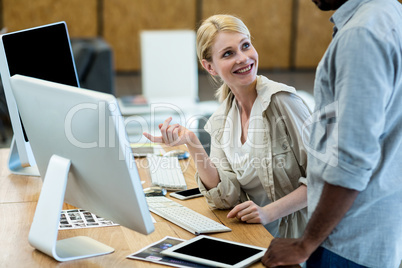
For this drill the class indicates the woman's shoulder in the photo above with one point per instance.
(270, 87)
(290, 101)
(271, 92)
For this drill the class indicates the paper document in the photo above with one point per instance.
(79, 218)
(152, 254)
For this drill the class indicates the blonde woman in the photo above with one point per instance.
(258, 160)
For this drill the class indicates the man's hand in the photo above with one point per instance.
(285, 252)
(334, 202)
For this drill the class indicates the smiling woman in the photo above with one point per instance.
(214, 34)
(235, 61)
(258, 159)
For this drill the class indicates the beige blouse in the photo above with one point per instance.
(281, 154)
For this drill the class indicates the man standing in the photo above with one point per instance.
(354, 168)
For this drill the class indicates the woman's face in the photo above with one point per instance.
(234, 59)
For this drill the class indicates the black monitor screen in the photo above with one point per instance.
(43, 53)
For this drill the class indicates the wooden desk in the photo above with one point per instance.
(18, 199)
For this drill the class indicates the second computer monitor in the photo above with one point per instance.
(42, 52)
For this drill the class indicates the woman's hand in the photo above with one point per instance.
(172, 135)
(251, 213)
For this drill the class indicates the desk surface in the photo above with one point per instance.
(18, 199)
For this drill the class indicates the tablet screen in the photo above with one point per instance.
(226, 253)
(216, 250)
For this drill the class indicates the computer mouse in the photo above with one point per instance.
(155, 191)
(180, 154)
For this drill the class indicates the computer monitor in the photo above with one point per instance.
(81, 149)
(43, 52)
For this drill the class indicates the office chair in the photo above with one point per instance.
(94, 63)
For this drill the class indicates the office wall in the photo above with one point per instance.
(123, 20)
(80, 16)
(288, 34)
(312, 35)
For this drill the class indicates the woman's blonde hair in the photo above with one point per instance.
(206, 35)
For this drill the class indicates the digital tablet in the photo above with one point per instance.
(216, 252)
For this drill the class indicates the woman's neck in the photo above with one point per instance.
(245, 97)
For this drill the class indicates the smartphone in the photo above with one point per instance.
(186, 194)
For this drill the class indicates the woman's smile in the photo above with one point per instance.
(244, 70)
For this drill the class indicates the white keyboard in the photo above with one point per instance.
(184, 217)
(166, 172)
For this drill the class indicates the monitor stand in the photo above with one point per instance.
(45, 225)
(14, 162)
